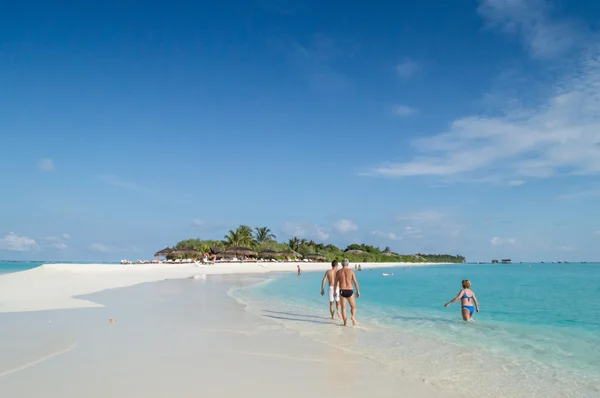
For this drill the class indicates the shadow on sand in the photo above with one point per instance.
(295, 314)
(286, 318)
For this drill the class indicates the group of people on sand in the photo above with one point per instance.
(342, 283)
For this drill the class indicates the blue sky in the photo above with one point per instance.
(468, 127)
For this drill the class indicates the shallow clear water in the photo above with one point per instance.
(7, 267)
(538, 332)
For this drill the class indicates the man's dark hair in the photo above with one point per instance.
(334, 263)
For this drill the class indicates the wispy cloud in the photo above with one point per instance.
(403, 110)
(46, 164)
(57, 242)
(581, 194)
(497, 241)
(386, 235)
(515, 183)
(102, 248)
(197, 223)
(305, 230)
(345, 226)
(319, 60)
(532, 21)
(421, 217)
(407, 68)
(557, 134)
(12, 242)
(116, 182)
(60, 245)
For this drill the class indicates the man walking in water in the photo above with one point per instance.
(334, 293)
(343, 280)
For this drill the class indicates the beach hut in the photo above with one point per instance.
(164, 252)
(268, 253)
(315, 257)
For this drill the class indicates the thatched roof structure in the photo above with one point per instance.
(315, 256)
(185, 253)
(238, 250)
(163, 252)
(270, 253)
(355, 251)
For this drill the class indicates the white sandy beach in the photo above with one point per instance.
(175, 336)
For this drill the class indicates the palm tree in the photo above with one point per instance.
(294, 244)
(263, 235)
(232, 238)
(387, 249)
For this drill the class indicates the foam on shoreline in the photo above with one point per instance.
(57, 286)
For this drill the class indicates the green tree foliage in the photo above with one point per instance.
(263, 235)
(263, 239)
(241, 236)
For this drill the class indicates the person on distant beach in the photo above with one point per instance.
(334, 293)
(343, 280)
(299, 272)
(467, 297)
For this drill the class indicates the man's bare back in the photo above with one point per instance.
(344, 279)
(331, 277)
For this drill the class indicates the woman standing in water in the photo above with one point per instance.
(467, 298)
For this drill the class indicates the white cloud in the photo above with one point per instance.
(46, 164)
(128, 185)
(515, 183)
(305, 230)
(403, 110)
(345, 226)
(598, 232)
(421, 217)
(532, 21)
(60, 245)
(560, 136)
(581, 194)
(555, 132)
(497, 241)
(566, 248)
(16, 243)
(97, 247)
(407, 69)
(387, 235)
(322, 233)
(66, 236)
(197, 223)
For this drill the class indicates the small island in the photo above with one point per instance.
(260, 243)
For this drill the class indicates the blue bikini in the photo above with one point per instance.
(469, 307)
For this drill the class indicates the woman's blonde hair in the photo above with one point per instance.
(466, 284)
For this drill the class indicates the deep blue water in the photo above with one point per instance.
(536, 319)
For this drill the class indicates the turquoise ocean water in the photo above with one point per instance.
(7, 267)
(537, 335)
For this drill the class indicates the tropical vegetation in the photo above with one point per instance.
(262, 240)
